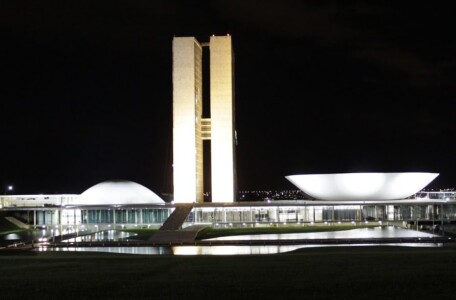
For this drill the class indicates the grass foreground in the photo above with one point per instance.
(316, 273)
(6, 226)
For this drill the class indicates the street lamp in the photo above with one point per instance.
(9, 189)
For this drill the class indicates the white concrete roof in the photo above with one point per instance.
(117, 192)
(362, 186)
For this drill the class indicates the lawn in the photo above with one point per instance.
(5, 225)
(317, 273)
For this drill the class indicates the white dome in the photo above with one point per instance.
(362, 186)
(118, 192)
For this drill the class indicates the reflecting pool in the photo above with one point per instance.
(378, 232)
(102, 236)
(121, 250)
(213, 250)
(12, 237)
(373, 232)
(27, 235)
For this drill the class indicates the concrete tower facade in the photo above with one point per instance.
(222, 119)
(187, 114)
(190, 128)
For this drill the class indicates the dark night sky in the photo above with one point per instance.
(321, 87)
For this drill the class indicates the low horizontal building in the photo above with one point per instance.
(125, 204)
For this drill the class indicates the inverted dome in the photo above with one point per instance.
(362, 186)
(118, 192)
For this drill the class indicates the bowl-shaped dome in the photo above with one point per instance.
(362, 186)
(118, 192)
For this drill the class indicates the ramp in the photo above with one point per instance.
(17, 222)
(177, 218)
(186, 235)
(172, 232)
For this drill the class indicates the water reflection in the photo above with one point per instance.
(213, 250)
(253, 250)
(25, 236)
(121, 250)
(232, 250)
(80, 236)
(12, 237)
(102, 236)
(374, 232)
(377, 232)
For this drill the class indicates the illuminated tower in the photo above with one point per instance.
(187, 113)
(190, 129)
(222, 119)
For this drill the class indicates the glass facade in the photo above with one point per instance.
(256, 215)
(239, 215)
(124, 216)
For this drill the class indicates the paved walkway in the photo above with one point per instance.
(177, 218)
(186, 235)
(171, 232)
(17, 222)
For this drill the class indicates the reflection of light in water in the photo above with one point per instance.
(256, 249)
(231, 250)
(183, 250)
(252, 250)
(26, 236)
(12, 236)
(108, 235)
(121, 250)
(377, 232)
(214, 250)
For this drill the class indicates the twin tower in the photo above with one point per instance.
(190, 128)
